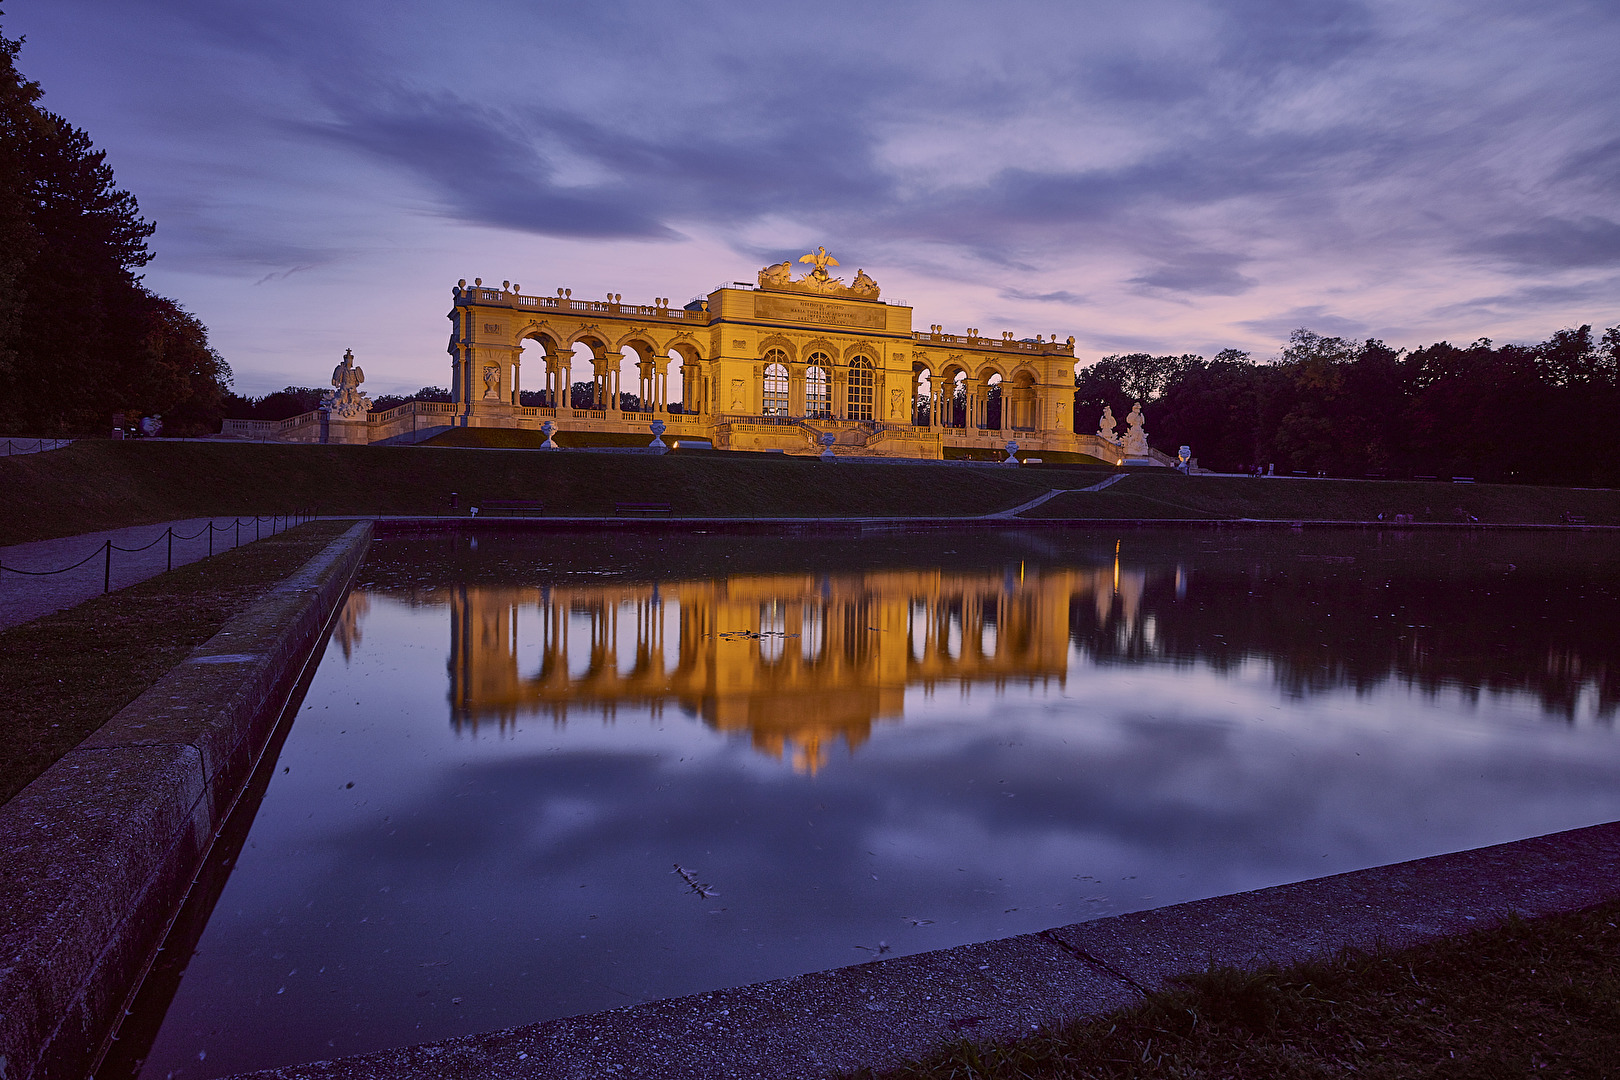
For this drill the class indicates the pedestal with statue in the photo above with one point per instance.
(1135, 446)
(343, 409)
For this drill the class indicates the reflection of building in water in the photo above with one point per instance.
(796, 661)
(346, 630)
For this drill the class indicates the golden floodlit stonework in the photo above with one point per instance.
(799, 665)
(806, 365)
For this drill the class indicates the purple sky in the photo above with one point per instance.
(1165, 175)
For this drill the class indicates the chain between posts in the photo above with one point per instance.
(107, 547)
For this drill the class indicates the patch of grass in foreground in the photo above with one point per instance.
(64, 675)
(1162, 493)
(99, 485)
(1528, 998)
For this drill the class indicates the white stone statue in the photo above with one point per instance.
(1135, 445)
(1105, 429)
(492, 383)
(347, 400)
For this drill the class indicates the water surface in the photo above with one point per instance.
(859, 747)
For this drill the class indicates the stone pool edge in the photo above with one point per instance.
(880, 1013)
(97, 853)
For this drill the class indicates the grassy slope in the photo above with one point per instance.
(98, 485)
(64, 675)
(1170, 495)
(1537, 998)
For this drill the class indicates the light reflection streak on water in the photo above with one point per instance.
(917, 756)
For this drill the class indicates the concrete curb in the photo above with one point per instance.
(96, 854)
(881, 1013)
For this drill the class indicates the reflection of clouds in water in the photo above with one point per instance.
(536, 865)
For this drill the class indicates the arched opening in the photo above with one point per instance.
(1020, 402)
(922, 401)
(582, 392)
(860, 389)
(959, 401)
(539, 376)
(685, 379)
(818, 386)
(992, 403)
(774, 395)
(639, 369)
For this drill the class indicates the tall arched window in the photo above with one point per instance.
(817, 396)
(860, 388)
(775, 398)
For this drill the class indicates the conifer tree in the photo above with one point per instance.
(80, 336)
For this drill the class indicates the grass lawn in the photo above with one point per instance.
(64, 675)
(1537, 998)
(524, 439)
(1162, 493)
(104, 484)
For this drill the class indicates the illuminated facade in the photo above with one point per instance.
(800, 365)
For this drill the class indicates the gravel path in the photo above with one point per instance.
(24, 597)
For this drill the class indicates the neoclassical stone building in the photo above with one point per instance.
(788, 364)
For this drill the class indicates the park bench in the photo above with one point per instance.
(512, 506)
(640, 508)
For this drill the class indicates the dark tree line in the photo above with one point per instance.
(292, 401)
(1531, 413)
(80, 337)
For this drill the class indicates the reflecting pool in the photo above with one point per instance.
(538, 777)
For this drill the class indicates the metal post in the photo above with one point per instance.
(255, 526)
(238, 542)
(210, 539)
(171, 547)
(106, 573)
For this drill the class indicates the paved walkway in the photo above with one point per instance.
(9, 447)
(24, 598)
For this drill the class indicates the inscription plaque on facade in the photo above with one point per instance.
(786, 309)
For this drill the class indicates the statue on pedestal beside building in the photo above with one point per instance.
(1107, 425)
(1135, 444)
(347, 400)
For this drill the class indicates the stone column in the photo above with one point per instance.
(796, 389)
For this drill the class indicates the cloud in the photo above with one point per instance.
(1211, 274)
(1061, 296)
(1315, 317)
(1175, 166)
(1558, 243)
(282, 275)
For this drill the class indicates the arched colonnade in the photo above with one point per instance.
(564, 366)
(986, 397)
